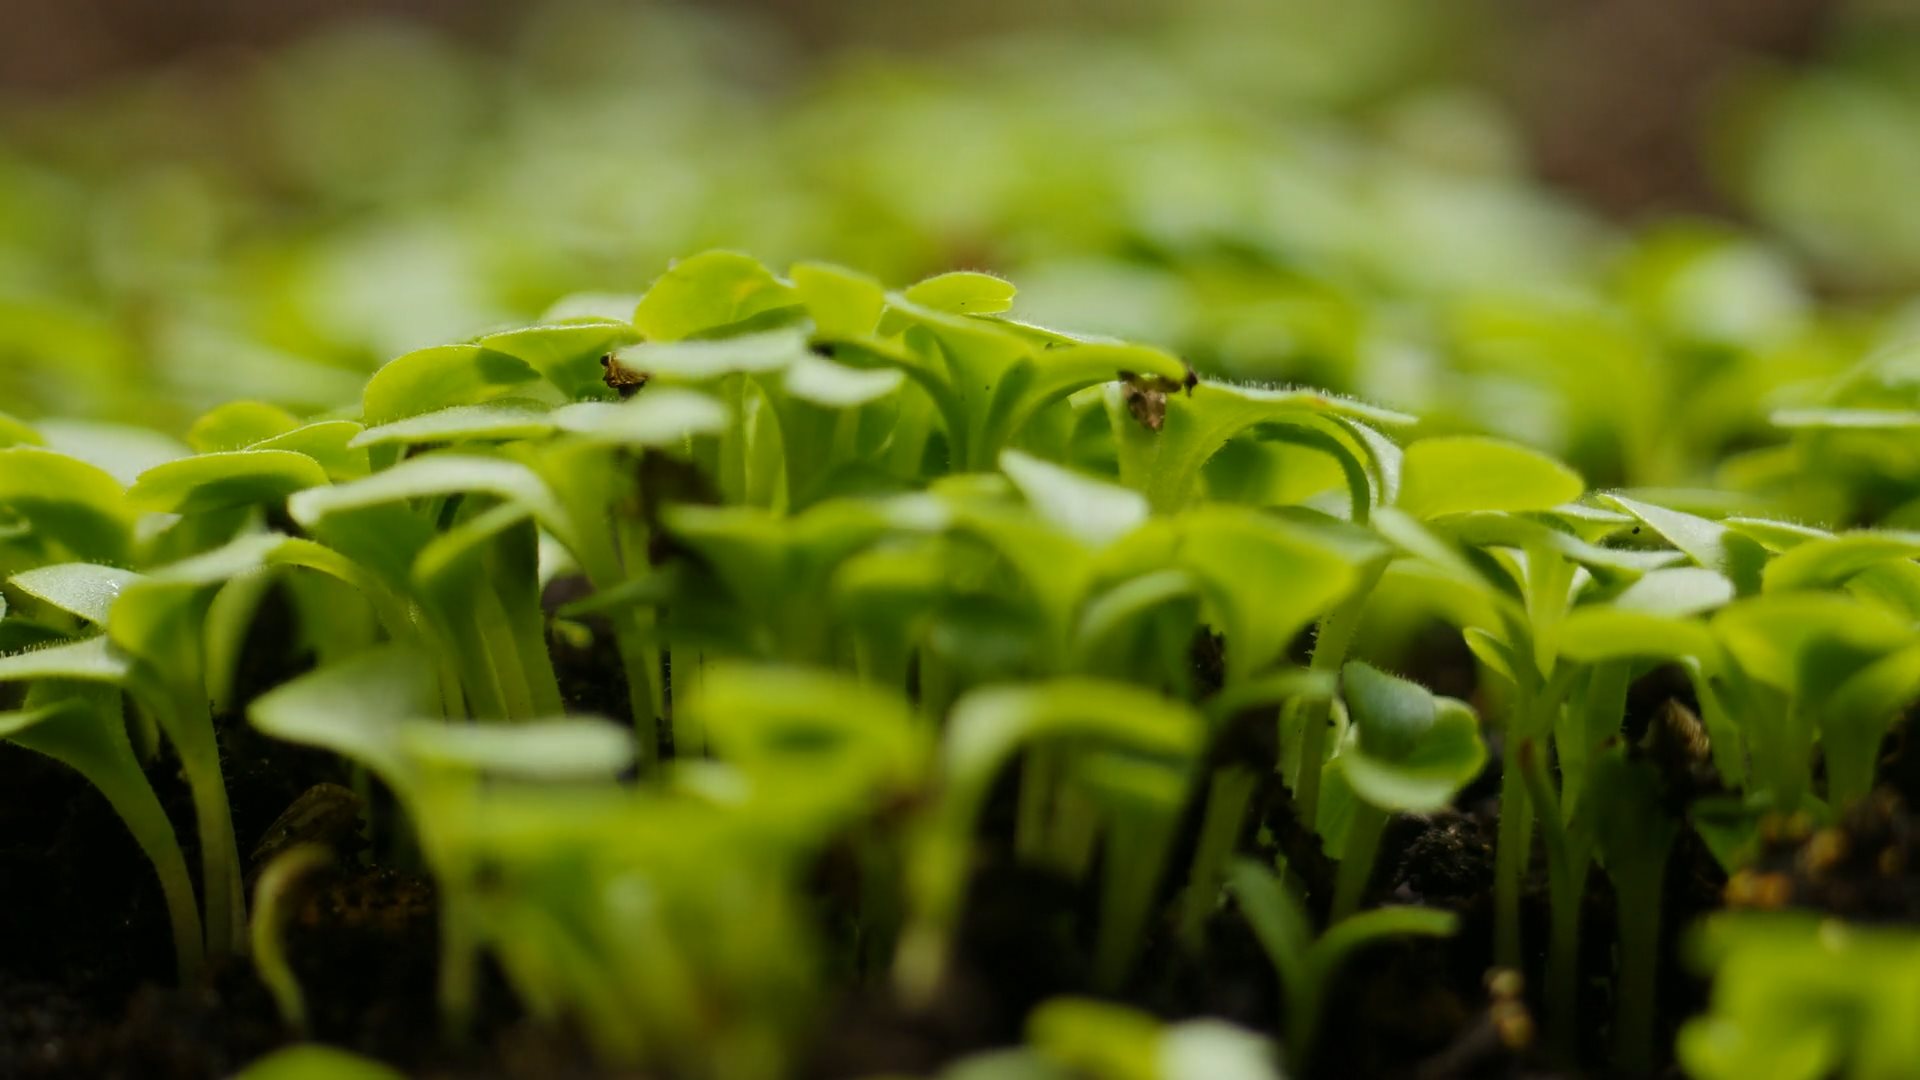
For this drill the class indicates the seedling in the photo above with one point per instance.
(1305, 963)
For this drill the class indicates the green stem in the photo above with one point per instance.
(1640, 896)
(131, 797)
(1356, 862)
(1038, 776)
(1136, 852)
(1567, 867)
(1228, 796)
(213, 823)
(1330, 648)
(1512, 847)
(270, 898)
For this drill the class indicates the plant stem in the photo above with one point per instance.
(271, 894)
(1511, 851)
(1330, 648)
(1641, 892)
(1568, 863)
(1136, 852)
(1356, 862)
(127, 790)
(1228, 796)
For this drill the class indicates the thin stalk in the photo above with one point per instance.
(213, 823)
(1640, 894)
(459, 965)
(270, 897)
(1356, 862)
(503, 653)
(1330, 648)
(1568, 863)
(1228, 796)
(1511, 849)
(1039, 779)
(1136, 852)
(133, 799)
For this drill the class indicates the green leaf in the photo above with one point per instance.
(355, 708)
(329, 442)
(566, 354)
(441, 377)
(708, 291)
(706, 360)
(1095, 512)
(1411, 752)
(574, 748)
(238, 425)
(82, 589)
(835, 386)
(435, 475)
(964, 292)
(1597, 633)
(1263, 578)
(1846, 419)
(1457, 474)
(1708, 543)
(1166, 464)
(1829, 561)
(1775, 635)
(89, 660)
(216, 481)
(499, 420)
(1676, 592)
(15, 433)
(843, 303)
(1391, 714)
(312, 1061)
(815, 744)
(76, 506)
(663, 416)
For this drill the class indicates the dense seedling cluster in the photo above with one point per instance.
(647, 616)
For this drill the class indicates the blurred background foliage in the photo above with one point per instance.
(1627, 231)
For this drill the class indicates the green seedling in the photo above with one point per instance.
(81, 726)
(1306, 964)
(1405, 751)
(1799, 997)
(1129, 770)
(1110, 1042)
(275, 890)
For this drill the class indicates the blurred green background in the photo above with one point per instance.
(1626, 230)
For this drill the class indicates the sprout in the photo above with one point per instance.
(1406, 751)
(1305, 964)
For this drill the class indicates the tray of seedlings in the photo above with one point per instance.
(786, 675)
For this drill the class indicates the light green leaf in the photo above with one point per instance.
(663, 416)
(567, 354)
(1457, 474)
(67, 501)
(573, 748)
(1598, 633)
(208, 482)
(964, 292)
(1676, 592)
(441, 377)
(238, 425)
(501, 419)
(1094, 511)
(705, 360)
(83, 589)
(328, 442)
(843, 303)
(312, 1061)
(705, 292)
(1829, 561)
